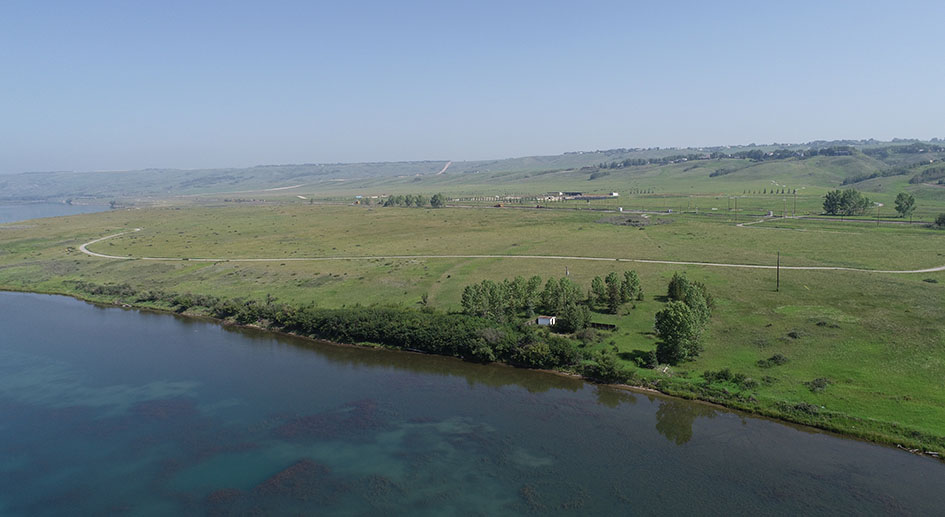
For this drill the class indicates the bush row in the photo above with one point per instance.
(460, 335)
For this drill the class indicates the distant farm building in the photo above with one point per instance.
(558, 196)
(546, 321)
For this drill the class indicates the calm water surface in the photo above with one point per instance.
(110, 411)
(21, 212)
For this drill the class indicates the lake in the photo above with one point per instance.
(114, 411)
(10, 213)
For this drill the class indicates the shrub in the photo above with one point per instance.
(940, 221)
(604, 368)
(587, 335)
(723, 375)
(801, 407)
(727, 375)
(648, 360)
(749, 384)
(775, 360)
(818, 384)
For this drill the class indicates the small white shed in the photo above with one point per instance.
(546, 321)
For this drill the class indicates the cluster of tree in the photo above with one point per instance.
(409, 200)
(418, 200)
(930, 174)
(563, 298)
(940, 221)
(612, 291)
(846, 202)
(508, 300)
(503, 301)
(681, 322)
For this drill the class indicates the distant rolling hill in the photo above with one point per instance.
(815, 166)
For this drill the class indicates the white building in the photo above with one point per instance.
(546, 321)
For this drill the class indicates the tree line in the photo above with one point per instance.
(469, 337)
(914, 148)
(484, 332)
(416, 200)
(774, 191)
(895, 171)
(928, 175)
(755, 155)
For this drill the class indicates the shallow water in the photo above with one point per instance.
(10, 213)
(115, 411)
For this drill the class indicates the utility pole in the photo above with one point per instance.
(736, 210)
(778, 286)
(794, 212)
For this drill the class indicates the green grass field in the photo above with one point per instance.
(877, 337)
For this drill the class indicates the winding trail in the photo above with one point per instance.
(84, 249)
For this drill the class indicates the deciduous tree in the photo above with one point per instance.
(905, 204)
(678, 331)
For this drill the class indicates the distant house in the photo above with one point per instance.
(546, 321)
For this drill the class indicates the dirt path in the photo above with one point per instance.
(84, 249)
(447, 166)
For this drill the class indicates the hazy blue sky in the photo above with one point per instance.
(115, 85)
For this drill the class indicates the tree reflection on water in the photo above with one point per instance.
(674, 419)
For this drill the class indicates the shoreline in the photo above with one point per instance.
(758, 412)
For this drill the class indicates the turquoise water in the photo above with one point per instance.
(111, 411)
